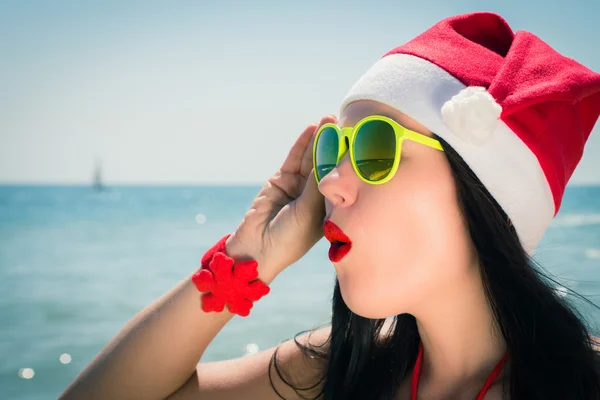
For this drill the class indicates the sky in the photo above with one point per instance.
(212, 92)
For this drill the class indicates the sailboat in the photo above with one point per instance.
(97, 183)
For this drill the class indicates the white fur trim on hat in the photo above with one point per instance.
(502, 161)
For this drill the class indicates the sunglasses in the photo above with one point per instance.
(375, 144)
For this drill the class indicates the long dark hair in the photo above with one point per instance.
(552, 354)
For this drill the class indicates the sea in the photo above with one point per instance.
(76, 264)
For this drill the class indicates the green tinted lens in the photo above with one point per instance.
(327, 152)
(374, 150)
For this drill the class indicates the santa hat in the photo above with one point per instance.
(518, 112)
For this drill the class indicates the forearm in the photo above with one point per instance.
(156, 352)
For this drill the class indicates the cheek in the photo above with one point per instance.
(410, 247)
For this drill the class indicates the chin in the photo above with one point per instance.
(364, 304)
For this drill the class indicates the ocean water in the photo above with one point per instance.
(76, 265)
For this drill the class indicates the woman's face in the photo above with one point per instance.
(410, 244)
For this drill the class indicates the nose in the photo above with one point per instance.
(340, 186)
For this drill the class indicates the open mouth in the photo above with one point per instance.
(340, 243)
(338, 250)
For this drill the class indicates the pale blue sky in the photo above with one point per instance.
(212, 91)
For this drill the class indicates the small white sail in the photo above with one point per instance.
(97, 183)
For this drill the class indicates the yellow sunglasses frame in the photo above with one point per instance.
(349, 133)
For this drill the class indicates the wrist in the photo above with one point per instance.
(230, 282)
(239, 251)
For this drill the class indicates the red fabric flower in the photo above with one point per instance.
(226, 282)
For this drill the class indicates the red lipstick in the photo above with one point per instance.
(340, 243)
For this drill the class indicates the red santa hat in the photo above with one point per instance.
(518, 112)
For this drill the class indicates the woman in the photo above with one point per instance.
(455, 154)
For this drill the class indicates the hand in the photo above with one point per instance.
(285, 220)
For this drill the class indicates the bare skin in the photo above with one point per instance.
(157, 352)
(421, 260)
(432, 274)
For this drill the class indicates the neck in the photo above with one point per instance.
(460, 338)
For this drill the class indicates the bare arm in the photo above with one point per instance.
(248, 377)
(156, 352)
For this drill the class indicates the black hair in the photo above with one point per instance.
(552, 355)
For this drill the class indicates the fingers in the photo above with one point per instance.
(306, 164)
(299, 159)
(311, 201)
(294, 158)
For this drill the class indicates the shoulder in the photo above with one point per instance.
(265, 375)
(294, 354)
(299, 362)
(304, 358)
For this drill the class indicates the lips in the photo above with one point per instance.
(340, 243)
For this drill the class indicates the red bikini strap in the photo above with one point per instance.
(493, 376)
(417, 372)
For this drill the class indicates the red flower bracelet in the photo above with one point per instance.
(225, 282)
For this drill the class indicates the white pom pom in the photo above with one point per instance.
(472, 114)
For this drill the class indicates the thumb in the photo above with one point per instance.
(311, 202)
